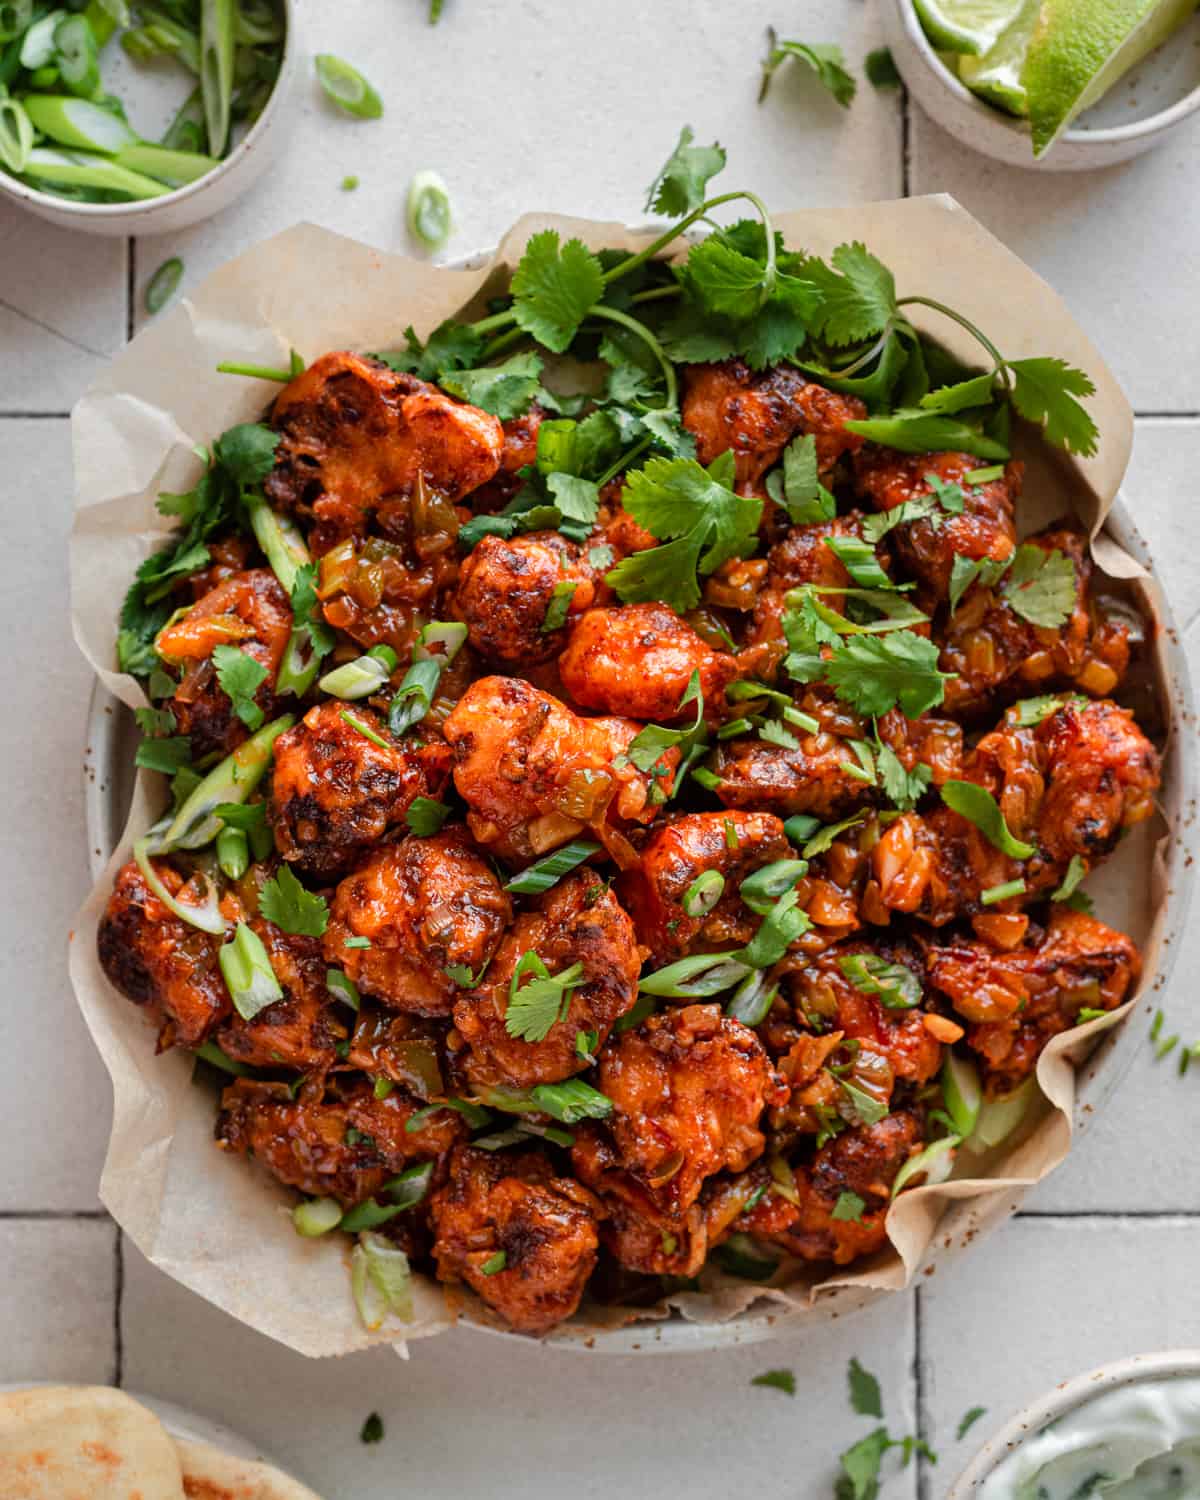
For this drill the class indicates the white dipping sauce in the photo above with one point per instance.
(1139, 1442)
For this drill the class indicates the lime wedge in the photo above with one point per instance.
(996, 76)
(965, 26)
(1079, 48)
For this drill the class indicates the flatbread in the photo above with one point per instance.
(61, 1442)
(209, 1474)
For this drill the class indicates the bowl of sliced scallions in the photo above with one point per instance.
(139, 116)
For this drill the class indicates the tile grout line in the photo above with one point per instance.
(53, 1215)
(918, 1372)
(905, 144)
(130, 285)
(118, 1300)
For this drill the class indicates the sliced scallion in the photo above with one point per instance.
(79, 123)
(696, 977)
(316, 1216)
(935, 1163)
(83, 169)
(77, 56)
(216, 69)
(897, 987)
(347, 88)
(703, 893)
(494, 1263)
(163, 285)
(232, 781)
(233, 853)
(246, 969)
(380, 1281)
(1003, 892)
(962, 1093)
(428, 211)
(572, 1101)
(37, 45)
(206, 916)
(752, 1000)
(175, 168)
(763, 889)
(414, 697)
(342, 988)
(550, 869)
(16, 135)
(361, 678)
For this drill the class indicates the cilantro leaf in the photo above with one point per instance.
(167, 755)
(247, 452)
(860, 1466)
(987, 571)
(705, 521)
(1041, 586)
(553, 287)
(505, 390)
(865, 1397)
(880, 68)
(798, 488)
(876, 672)
(1044, 391)
(240, 677)
(978, 806)
(903, 789)
(577, 499)
(152, 721)
(679, 188)
(451, 346)
(826, 59)
(668, 431)
(425, 816)
(777, 1380)
(306, 610)
(849, 1207)
(912, 430)
(921, 508)
(725, 281)
(284, 901)
(859, 560)
(647, 747)
(533, 1008)
(977, 391)
(858, 294)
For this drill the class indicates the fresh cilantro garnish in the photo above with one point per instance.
(505, 390)
(865, 1395)
(880, 68)
(1076, 870)
(978, 806)
(822, 840)
(950, 496)
(826, 59)
(553, 287)
(858, 294)
(155, 721)
(451, 346)
(849, 1207)
(586, 1043)
(533, 1008)
(911, 430)
(372, 1428)
(860, 1466)
(921, 508)
(168, 755)
(1030, 712)
(677, 498)
(965, 571)
(876, 672)
(679, 187)
(559, 605)
(960, 395)
(649, 745)
(862, 1107)
(968, 1421)
(777, 1380)
(1044, 391)
(247, 452)
(897, 987)
(1041, 586)
(425, 816)
(797, 486)
(284, 901)
(903, 789)
(240, 677)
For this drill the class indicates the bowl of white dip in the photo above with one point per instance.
(1128, 1431)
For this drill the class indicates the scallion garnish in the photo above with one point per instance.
(494, 1263)
(364, 729)
(380, 1281)
(233, 853)
(703, 893)
(780, 928)
(559, 606)
(897, 987)
(550, 869)
(1001, 892)
(428, 210)
(342, 988)
(163, 285)
(572, 1101)
(761, 890)
(246, 969)
(414, 697)
(362, 677)
(316, 1216)
(232, 781)
(346, 87)
(752, 1000)
(205, 915)
(695, 978)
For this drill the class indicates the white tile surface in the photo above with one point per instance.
(469, 1414)
(54, 1142)
(56, 1300)
(1039, 1302)
(62, 311)
(573, 107)
(1107, 240)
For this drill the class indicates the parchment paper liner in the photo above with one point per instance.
(219, 1224)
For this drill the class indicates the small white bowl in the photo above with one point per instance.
(1038, 1415)
(982, 127)
(201, 199)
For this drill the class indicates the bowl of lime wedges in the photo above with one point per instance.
(1058, 85)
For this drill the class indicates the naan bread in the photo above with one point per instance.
(209, 1474)
(84, 1443)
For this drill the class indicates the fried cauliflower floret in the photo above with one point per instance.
(159, 961)
(732, 844)
(985, 527)
(303, 1029)
(863, 1160)
(756, 413)
(513, 1207)
(1017, 999)
(989, 647)
(578, 921)
(688, 1089)
(506, 587)
(249, 611)
(355, 434)
(424, 905)
(1069, 787)
(335, 793)
(304, 1142)
(534, 774)
(637, 659)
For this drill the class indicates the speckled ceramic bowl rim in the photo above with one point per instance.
(115, 212)
(1173, 1364)
(1111, 135)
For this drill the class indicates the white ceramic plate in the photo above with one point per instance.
(112, 738)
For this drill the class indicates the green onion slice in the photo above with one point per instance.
(550, 869)
(246, 969)
(16, 135)
(405, 1191)
(163, 285)
(752, 1000)
(361, 678)
(962, 1093)
(572, 1101)
(494, 1263)
(233, 853)
(703, 893)
(37, 45)
(440, 641)
(936, 1162)
(897, 987)
(780, 928)
(342, 988)
(696, 977)
(197, 823)
(207, 916)
(414, 697)
(763, 889)
(77, 56)
(316, 1216)
(347, 87)
(428, 212)
(380, 1281)
(79, 123)
(1001, 892)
